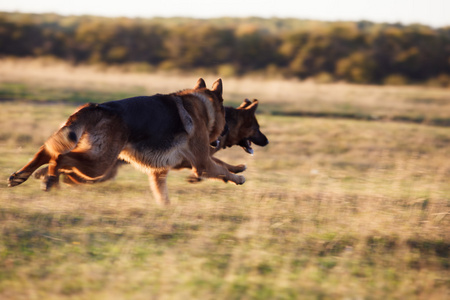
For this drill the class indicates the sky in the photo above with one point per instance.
(435, 13)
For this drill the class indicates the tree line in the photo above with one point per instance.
(360, 52)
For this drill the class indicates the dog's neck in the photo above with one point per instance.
(209, 110)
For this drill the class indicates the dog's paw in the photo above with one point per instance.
(239, 168)
(239, 180)
(193, 179)
(49, 182)
(17, 178)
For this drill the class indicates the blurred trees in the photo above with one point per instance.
(360, 52)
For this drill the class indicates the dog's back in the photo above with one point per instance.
(152, 122)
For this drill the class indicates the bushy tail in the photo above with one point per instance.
(64, 140)
(67, 137)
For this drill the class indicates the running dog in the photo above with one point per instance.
(243, 130)
(153, 133)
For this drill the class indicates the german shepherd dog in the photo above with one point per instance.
(154, 133)
(243, 130)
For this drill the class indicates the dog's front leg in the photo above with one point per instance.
(207, 168)
(231, 168)
(158, 184)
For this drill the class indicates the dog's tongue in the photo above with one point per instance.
(248, 148)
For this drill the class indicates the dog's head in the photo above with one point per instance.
(214, 95)
(243, 127)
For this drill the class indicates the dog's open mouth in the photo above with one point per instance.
(246, 145)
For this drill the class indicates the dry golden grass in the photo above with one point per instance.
(332, 209)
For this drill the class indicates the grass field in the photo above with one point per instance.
(350, 207)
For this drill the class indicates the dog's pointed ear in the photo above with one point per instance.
(245, 104)
(252, 107)
(217, 88)
(200, 84)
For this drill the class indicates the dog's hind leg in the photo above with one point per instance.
(40, 158)
(84, 165)
(72, 178)
(52, 177)
(69, 176)
(158, 184)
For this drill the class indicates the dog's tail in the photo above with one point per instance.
(64, 140)
(68, 136)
